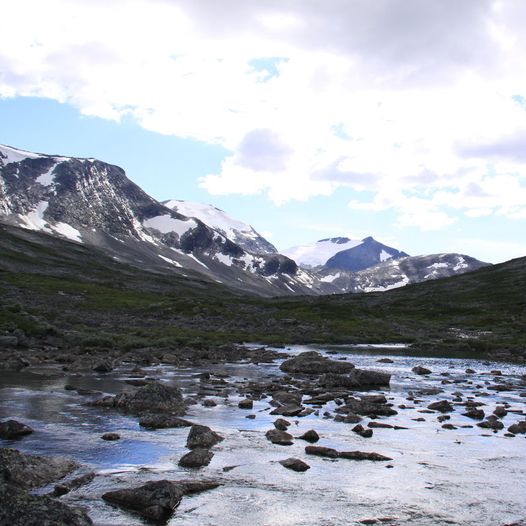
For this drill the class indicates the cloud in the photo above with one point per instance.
(415, 102)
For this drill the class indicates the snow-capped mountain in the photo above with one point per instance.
(240, 233)
(395, 273)
(92, 202)
(342, 253)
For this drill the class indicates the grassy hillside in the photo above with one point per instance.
(62, 294)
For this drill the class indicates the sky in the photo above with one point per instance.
(308, 119)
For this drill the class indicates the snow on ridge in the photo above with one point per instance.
(384, 256)
(213, 217)
(14, 155)
(166, 223)
(67, 231)
(315, 254)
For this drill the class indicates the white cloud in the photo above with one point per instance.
(413, 101)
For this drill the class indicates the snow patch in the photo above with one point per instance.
(47, 179)
(35, 220)
(460, 265)
(171, 261)
(223, 258)
(166, 223)
(402, 283)
(67, 231)
(330, 278)
(318, 253)
(12, 155)
(384, 256)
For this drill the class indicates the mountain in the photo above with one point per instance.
(395, 273)
(238, 232)
(342, 253)
(91, 202)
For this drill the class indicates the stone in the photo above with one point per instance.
(310, 436)
(295, 464)
(361, 455)
(32, 471)
(202, 437)
(160, 421)
(321, 451)
(246, 404)
(476, 414)
(287, 410)
(519, 428)
(500, 411)
(11, 429)
(356, 379)
(21, 509)
(421, 370)
(312, 362)
(110, 437)
(281, 438)
(105, 366)
(196, 458)
(443, 406)
(360, 407)
(281, 424)
(209, 402)
(73, 484)
(360, 430)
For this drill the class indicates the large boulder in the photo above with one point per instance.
(11, 429)
(155, 397)
(312, 362)
(21, 509)
(196, 458)
(160, 421)
(156, 500)
(202, 437)
(32, 471)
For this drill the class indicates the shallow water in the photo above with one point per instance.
(465, 476)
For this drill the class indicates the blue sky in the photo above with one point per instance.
(405, 121)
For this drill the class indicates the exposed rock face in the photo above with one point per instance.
(202, 437)
(21, 509)
(11, 429)
(32, 471)
(152, 398)
(312, 362)
(156, 500)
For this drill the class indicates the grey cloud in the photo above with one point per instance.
(512, 147)
(262, 150)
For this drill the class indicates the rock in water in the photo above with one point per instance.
(312, 362)
(281, 438)
(21, 509)
(11, 429)
(321, 451)
(421, 370)
(443, 406)
(361, 455)
(158, 421)
(295, 464)
(197, 458)
(202, 437)
(32, 471)
(310, 436)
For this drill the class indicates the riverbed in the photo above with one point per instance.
(465, 475)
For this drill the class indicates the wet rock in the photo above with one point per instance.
(470, 371)
(385, 360)
(310, 436)
(209, 402)
(321, 451)
(361, 455)
(287, 410)
(32, 471)
(421, 370)
(312, 362)
(156, 500)
(492, 422)
(449, 426)
(360, 430)
(152, 398)
(281, 438)
(519, 428)
(159, 421)
(295, 464)
(281, 424)
(476, 414)
(443, 406)
(196, 458)
(104, 366)
(73, 484)
(365, 408)
(379, 425)
(288, 397)
(110, 437)
(21, 509)
(246, 404)
(202, 437)
(11, 429)
(356, 379)
(500, 411)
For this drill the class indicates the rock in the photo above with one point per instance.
(470, 371)
(11, 429)
(202, 437)
(73, 484)
(476, 414)
(246, 404)
(287, 410)
(288, 397)
(32, 471)
(360, 430)
(360, 455)
(356, 379)
(361, 407)
(500, 411)
(281, 438)
(281, 424)
(312, 362)
(105, 366)
(110, 437)
(159, 421)
(209, 402)
(295, 464)
(152, 398)
(321, 451)
(310, 436)
(421, 370)
(518, 428)
(379, 425)
(443, 406)
(8, 341)
(492, 422)
(156, 500)
(385, 360)
(252, 416)
(21, 509)
(196, 458)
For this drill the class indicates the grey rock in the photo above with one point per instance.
(310, 436)
(281, 424)
(202, 437)
(421, 370)
(110, 437)
(321, 451)
(281, 438)
(73, 484)
(361, 455)
(197, 458)
(160, 421)
(442, 405)
(11, 429)
(295, 464)
(312, 362)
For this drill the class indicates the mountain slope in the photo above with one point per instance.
(92, 202)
